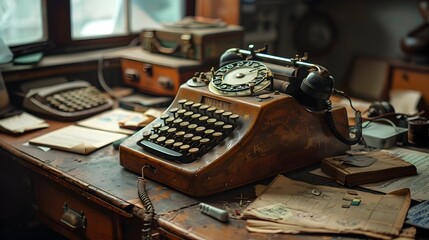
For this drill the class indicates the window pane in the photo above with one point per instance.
(150, 13)
(96, 18)
(21, 21)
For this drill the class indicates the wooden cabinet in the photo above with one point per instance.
(413, 77)
(74, 212)
(156, 73)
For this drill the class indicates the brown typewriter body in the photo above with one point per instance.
(272, 135)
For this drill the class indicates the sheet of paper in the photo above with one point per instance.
(302, 207)
(77, 139)
(418, 184)
(22, 122)
(405, 101)
(418, 215)
(110, 120)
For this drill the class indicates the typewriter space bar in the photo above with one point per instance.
(160, 150)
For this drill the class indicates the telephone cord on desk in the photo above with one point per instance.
(149, 211)
(331, 123)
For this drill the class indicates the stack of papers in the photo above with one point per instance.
(288, 206)
(21, 123)
(96, 132)
(120, 120)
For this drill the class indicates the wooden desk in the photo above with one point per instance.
(106, 193)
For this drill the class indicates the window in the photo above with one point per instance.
(151, 13)
(59, 26)
(110, 19)
(22, 21)
(97, 18)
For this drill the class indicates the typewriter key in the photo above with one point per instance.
(180, 134)
(182, 102)
(160, 140)
(210, 111)
(200, 129)
(188, 105)
(181, 112)
(219, 112)
(177, 121)
(195, 107)
(177, 145)
(204, 108)
(184, 125)
(153, 137)
(169, 142)
(185, 147)
(192, 127)
(174, 111)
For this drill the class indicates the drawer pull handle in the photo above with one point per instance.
(72, 218)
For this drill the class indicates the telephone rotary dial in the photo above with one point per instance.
(240, 78)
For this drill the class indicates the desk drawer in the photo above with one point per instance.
(152, 78)
(71, 214)
(403, 78)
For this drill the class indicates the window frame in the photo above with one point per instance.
(59, 39)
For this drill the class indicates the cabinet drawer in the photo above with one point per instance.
(408, 79)
(71, 214)
(413, 80)
(153, 78)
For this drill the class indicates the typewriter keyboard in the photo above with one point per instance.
(78, 99)
(188, 132)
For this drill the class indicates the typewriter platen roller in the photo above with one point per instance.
(229, 128)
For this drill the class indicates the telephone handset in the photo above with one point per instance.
(69, 101)
(310, 84)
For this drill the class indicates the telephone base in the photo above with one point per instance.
(273, 135)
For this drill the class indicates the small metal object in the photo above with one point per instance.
(214, 212)
(345, 206)
(316, 192)
(73, 218)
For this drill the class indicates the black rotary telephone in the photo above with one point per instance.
(310, 84)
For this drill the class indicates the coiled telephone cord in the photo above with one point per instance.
(329, 117)
(149, 211)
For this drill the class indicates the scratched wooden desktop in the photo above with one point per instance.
(97, 187)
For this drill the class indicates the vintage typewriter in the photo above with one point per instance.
(67, 101)
(256, 116)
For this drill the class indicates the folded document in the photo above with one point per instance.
(21, 123)
(77, 139)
